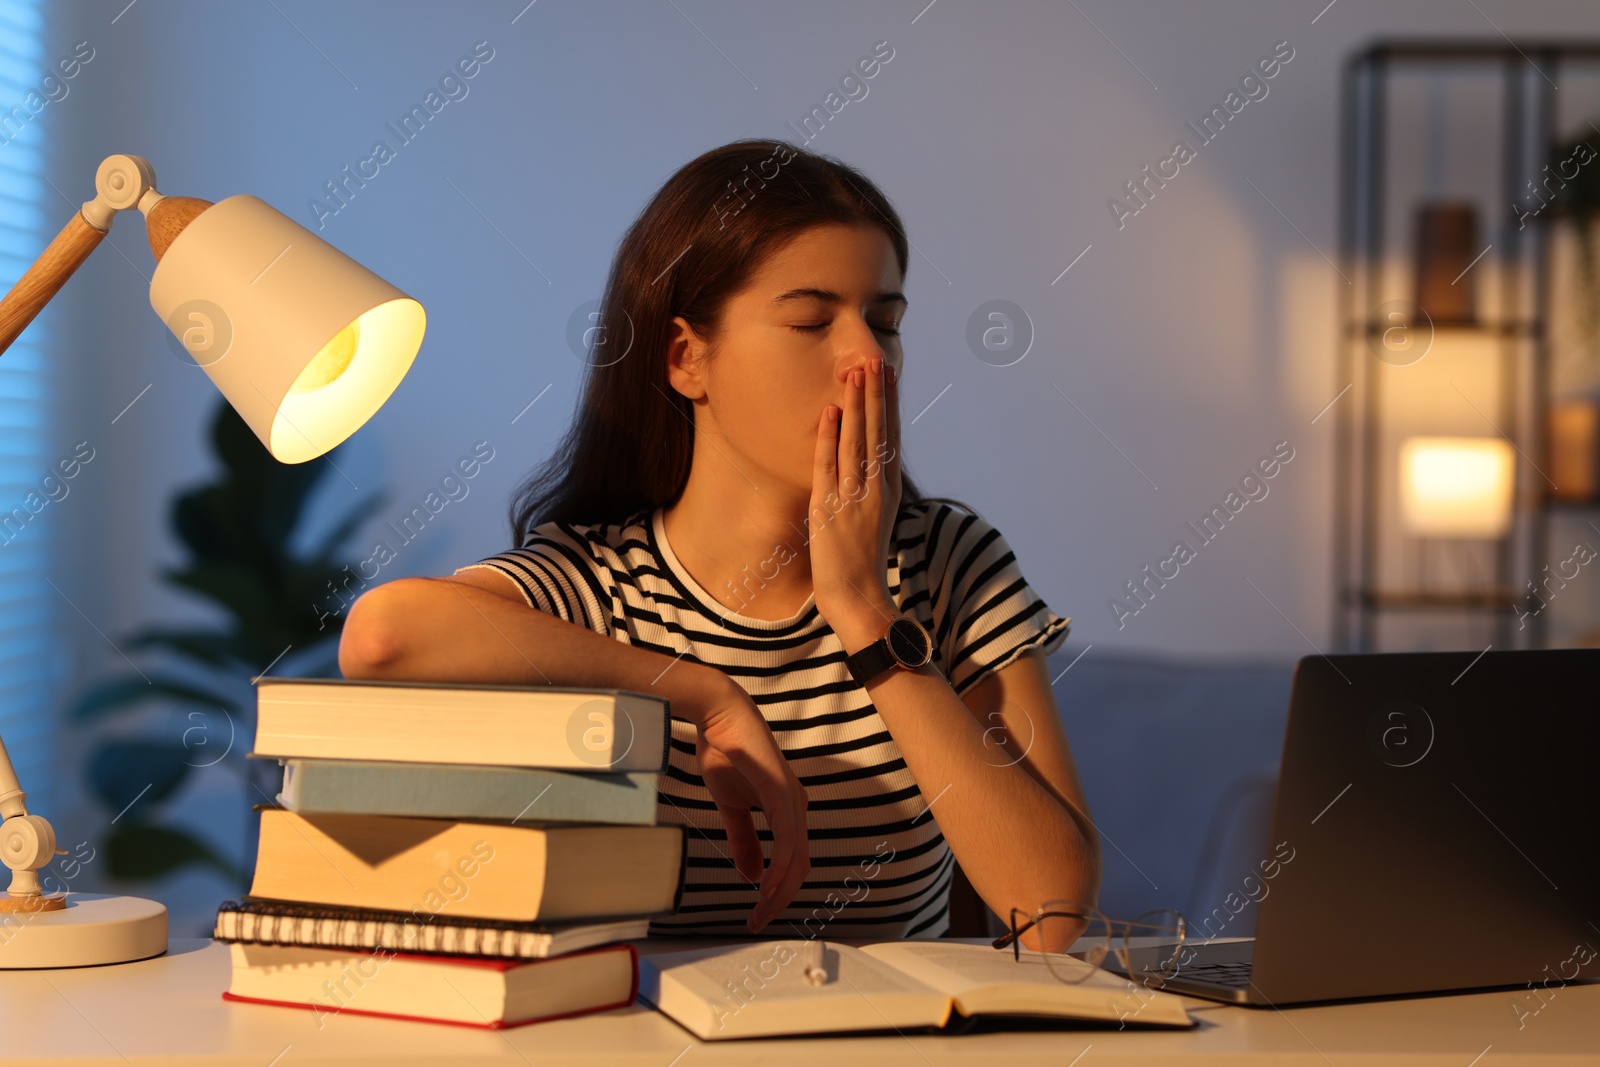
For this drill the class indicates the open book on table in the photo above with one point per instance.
(760, 989)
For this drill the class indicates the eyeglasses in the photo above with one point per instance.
(1149, 948)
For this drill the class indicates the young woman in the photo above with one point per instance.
(728, 523)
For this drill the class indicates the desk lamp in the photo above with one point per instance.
(304, 342)
(1455, 489)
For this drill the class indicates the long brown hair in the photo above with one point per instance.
(697, 242)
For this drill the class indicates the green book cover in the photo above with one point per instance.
(465, 791)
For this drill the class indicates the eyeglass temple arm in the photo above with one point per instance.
(1006, 939)
(1017, 931)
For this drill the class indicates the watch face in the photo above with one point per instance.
(909, 642)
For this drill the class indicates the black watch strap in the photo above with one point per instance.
(915, 645)
(871, 661)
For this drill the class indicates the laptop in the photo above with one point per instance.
(1440, 815)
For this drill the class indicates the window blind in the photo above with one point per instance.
(29, 609)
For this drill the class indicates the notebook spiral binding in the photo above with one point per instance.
(280, 923)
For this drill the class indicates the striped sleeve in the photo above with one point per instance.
(985, 612)
(558, 574)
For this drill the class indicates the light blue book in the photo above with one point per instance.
(464, 791)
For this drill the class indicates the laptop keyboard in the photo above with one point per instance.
(1234, 975)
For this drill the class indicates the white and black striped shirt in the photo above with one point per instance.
(880, 868)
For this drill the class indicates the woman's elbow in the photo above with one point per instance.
(368, 644)
(1082, 867)
(1092, 868)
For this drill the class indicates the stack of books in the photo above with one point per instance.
(459, 853)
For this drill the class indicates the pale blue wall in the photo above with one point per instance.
(1194, 338)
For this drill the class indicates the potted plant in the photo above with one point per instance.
(237, 530)
(1574, 170)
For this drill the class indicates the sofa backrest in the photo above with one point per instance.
(1179, 761)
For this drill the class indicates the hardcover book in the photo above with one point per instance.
(465, 791)
(450, 722)
(486, 993)
(522, 873)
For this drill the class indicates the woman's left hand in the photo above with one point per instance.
(855, 498)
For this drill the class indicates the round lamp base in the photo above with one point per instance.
(23, 902)
(93, 929)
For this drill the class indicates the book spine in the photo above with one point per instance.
(497, 1024)
(356, 719)
(454, 791)
(666, 742)
(492, 1024)
(683, 870)
(317, 860)
(633, 990)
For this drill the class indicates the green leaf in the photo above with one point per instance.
(138, 851)
(236, 527)
(238, 588)
(1579, 195)
(122, 773)
(270, 494)
(360, 513)
(284, 495)
(247, 515)
(202, 519)
(105, 697)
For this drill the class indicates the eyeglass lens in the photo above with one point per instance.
(1071, 926)
(1153, 943)
(1148, 947)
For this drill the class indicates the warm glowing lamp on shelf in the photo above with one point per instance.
(1456, 487)
(304, 342)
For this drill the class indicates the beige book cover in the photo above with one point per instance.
(450, 869)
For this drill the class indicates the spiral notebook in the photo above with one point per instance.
(279, 922)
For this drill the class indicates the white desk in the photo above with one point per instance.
(170, 1010)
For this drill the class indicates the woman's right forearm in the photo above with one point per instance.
(437, 630)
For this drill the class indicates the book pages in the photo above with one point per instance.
(984, 980)
(761, 989)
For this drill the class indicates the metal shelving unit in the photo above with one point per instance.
(1525, 73)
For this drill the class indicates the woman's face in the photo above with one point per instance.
(821, 306)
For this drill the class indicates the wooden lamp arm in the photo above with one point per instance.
(48, 274)
(122, 181)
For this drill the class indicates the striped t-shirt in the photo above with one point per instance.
(880, 868)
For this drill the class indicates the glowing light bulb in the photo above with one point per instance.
(1456, 486)
(332, 361)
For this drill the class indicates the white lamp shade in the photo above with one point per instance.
(305, 343)
(1456, 486)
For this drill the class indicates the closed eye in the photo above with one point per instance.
(818, 327)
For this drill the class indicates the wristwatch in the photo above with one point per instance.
(905, 644)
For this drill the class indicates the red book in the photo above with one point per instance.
(466, 991)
